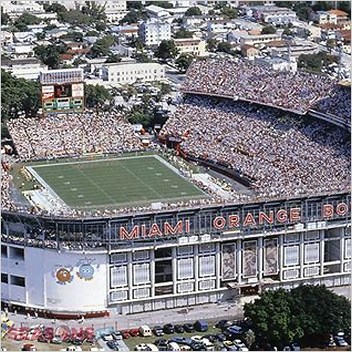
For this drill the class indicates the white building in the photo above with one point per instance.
(322, 17)
(273, 14)
(243, 38)
(24, 68)
(154, 32)
(128, 73)
(115, 10)
(20, 51)
(156, 12)
(220, 26)
(192, 46)
(16, 8)
(6, 37)
(24, 37)
(278, 63)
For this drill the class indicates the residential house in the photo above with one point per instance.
(249, 51)
(273, 14)
(24, 37)
(191, 46)
(341, 16)
(28, 68)
(6, 37)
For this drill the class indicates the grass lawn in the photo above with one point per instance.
(123, 181)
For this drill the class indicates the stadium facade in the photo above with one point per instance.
(178, 258)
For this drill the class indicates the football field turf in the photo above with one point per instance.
(123, 181)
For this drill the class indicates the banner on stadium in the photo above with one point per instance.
(47, 89)
(77, 90)
(231, 222)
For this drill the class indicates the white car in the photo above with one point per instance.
(240, 345)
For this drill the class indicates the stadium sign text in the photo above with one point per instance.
(281, 216)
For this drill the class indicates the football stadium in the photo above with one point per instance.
(246, 189)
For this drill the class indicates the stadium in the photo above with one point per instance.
(246, 189)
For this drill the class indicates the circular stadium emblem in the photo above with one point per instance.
(63, 276)
(85, 271)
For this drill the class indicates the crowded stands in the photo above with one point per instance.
(247, 81)
(72, 135)
(286, 155)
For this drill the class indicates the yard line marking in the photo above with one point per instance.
(96, 185)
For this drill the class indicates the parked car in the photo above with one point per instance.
(107, 337)
(179, 329)
(182, 340)
(145, 331)
(158, 331)
(240, 345)
(116, 335)
(125, 334)
(169, 329)
(235, 330)
(220, 337)
(189, 327)
(340, 341)
(134, 332)
(223, 324)
(201, 325)
(160, 342)
(230, 346)
(29, 347)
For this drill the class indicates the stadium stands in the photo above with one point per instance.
(72, 135)
(250, 82)
(285, 154)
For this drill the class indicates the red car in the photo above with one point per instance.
(125, 334)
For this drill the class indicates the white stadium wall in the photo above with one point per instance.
(65, 281)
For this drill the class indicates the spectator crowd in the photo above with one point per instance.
(243, 80)
(284, 154)
(72, 135)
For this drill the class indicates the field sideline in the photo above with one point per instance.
(113, 182)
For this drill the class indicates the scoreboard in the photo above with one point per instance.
(62, 90)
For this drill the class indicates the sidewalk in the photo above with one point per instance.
(233, 310)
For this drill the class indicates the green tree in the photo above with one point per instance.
(17, 95)
(280, 317)
(268, 30)
(164, 4)
(330, 44)
(229, 12)
(92, 33)
(113, 58)
(136, 5)
(193, 11)
(74, 36)
(302, 10)
(49, 55)
(142, 57)
(144, 118)
(134, 16)
(166, 50)
(249, 338)
(100, 26)
(5, 19)
(183, 33)
(55, 7)
(95, 10)
(322, 6)
(74, 17)
(101, 46)
(225, 47)
(25, 20)
(212, 44)
(96, 96)
(183, 62)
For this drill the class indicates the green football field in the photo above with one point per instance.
(124, 181)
